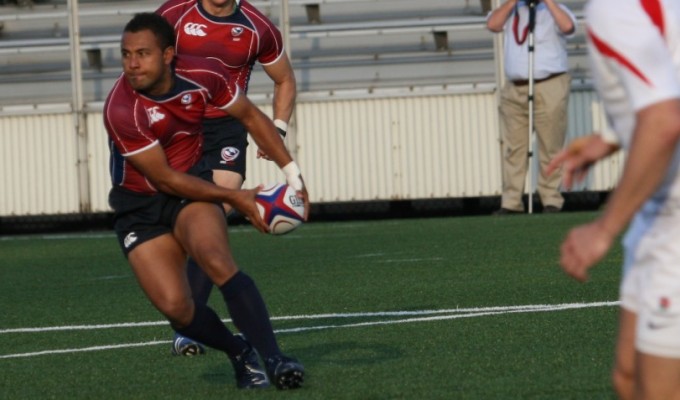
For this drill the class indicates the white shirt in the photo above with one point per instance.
(550, 44)
(635, 60)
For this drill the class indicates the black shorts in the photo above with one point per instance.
(141, 217)
(225, 143)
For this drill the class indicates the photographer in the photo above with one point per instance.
(554, 23)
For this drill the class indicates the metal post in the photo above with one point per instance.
(284, 23)
(77, 108)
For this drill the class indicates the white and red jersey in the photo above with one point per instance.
(238, 40)
(634, 50)
(136, 122)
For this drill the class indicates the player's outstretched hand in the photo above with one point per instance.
(244, 202)
(261, 154)
(577, 158)
(583, 247)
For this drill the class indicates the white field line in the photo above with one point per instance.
(420, 316)
(530, 307)
(329, 227)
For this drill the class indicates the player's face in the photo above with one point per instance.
(220, 8)
(145, 64)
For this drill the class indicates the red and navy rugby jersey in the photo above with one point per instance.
(136, 122)
(237, 40)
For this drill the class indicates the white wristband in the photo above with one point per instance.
(281, 125)
(293, 175)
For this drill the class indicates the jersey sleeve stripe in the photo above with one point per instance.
(654, 9)
(607, 51)
(233, 99)
(147, 147)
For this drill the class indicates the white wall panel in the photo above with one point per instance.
(368, 148)
(98, 150)
(38, 165)
(399, 148)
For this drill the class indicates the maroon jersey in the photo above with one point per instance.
(136, 122)
(237, 41)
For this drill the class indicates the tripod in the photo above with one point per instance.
(532, 133)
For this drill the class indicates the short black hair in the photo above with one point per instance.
(159, 26)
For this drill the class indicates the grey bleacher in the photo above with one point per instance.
(334, 44)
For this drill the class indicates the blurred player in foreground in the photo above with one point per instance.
(634, 49)
(164, 211)
(238, 35)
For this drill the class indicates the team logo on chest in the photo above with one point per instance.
(236, 31)
(194, 29)
(154, 114)
(186, 99)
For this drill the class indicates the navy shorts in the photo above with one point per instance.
(141, 217)
(225, 143)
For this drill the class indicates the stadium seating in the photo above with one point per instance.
(334, 44)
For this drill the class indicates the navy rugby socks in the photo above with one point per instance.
(207, 328)
(249, 313)
(200, 283)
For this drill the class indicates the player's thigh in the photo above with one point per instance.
(659, 377)
(227, 179)
(158, 265)
(657, 279)
(202, 230)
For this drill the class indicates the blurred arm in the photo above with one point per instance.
(655, 140)
(497, 18)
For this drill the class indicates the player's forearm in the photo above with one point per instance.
(193, 188)
(266, 137)
(262, 130)
(654, 143)
(284, 99)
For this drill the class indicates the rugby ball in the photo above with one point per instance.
(280, 208)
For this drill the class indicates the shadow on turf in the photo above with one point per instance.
(348, 353)
(338, 353)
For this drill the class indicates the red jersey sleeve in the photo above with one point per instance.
(272, 46)
(127, 122)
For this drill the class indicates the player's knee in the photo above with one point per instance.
(218, 265)
(178, 311)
